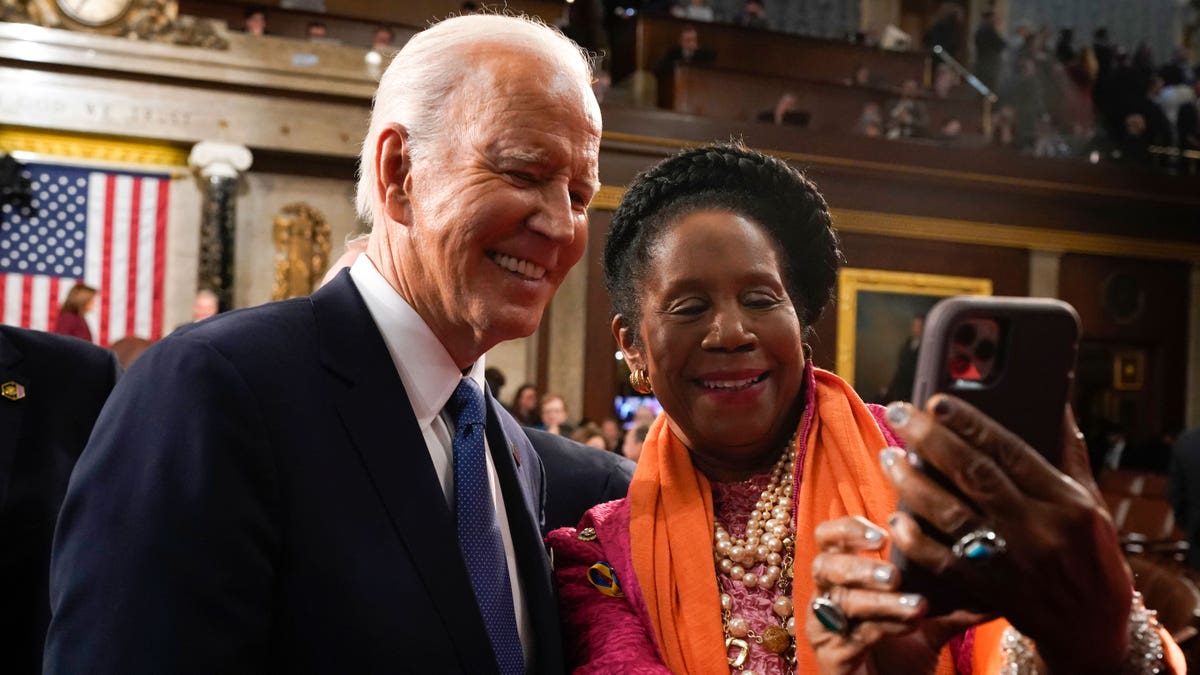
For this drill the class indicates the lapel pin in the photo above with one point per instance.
(512, 447)
(12, 391)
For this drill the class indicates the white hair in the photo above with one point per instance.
(416, 89)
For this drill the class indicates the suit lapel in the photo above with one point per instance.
(378, 417)
(521, 482)
(11, 412)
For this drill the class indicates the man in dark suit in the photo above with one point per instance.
(1184, 490)
(578, 477)
(51, 390)
(322, 484)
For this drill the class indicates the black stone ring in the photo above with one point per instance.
(831, 615)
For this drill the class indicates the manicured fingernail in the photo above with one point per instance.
(883, 574)
(913, 460)
(909, 600)
(888, 457)
(942, 408)
(897, 414)
(873, 535)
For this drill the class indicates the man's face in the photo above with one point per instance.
(554, 412)
(256, 23)
(203, 307)
(499, 208)
(689, 40)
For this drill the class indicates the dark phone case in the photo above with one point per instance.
(1040, 342)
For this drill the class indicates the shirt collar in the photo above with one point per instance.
(426, 370)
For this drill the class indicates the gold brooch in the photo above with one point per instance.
(587, 534)
(12, 391)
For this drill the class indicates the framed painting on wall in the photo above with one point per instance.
(880, 317)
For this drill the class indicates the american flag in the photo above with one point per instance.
(105, 228)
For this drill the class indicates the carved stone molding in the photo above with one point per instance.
(301, 237)
(155, 20)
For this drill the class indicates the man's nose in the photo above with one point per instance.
(555, 216)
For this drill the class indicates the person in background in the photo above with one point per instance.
(316, 31)
(945, 29)
(254, 21)
(786, 112)
(80, 300)
(695, 10)
(687, 51)
(51, 390)
(554, 415)
(495, 380)
(907, 116)
(205, 305)
(753, 15)
(591, 435)
(524, 406)
(1184, 490)
(870, 121)
(635, 436)
(989, 50)
(382, 40)
(613, 434)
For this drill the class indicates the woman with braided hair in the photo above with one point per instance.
(751, 539)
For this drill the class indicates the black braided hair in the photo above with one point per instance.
(729, 177)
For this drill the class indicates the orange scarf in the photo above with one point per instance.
(671, 525)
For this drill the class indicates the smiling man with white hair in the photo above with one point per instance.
(324, 484)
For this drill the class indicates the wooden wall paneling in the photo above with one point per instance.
(1158, 292)
(773, 53)
(832, 106)
(599, 381)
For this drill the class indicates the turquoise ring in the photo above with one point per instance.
(980, 545)
(830, 614)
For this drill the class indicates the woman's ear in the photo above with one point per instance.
(393, 172)
(627, 340)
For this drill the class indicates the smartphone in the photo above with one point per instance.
(1013, 359)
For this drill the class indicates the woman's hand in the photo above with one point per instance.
(864, 589)
(1061, 578)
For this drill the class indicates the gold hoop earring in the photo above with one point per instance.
(640, 381)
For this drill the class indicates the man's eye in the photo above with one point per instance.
(521, 176)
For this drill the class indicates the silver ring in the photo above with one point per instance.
(982, 544)
(831, 615)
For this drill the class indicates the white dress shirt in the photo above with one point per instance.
(430, 377)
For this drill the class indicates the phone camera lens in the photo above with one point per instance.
(960, 367)
(965, 334)
(985, 350)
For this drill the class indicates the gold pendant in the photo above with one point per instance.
(775, 639)
(743, 648)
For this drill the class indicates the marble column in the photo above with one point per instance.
(1043, 273)
(218, 165)
(1192, 409)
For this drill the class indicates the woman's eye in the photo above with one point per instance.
(761, 300)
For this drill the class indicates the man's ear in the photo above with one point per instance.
(627, 340)
(393, 173)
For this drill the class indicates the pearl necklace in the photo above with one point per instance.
(768, 542)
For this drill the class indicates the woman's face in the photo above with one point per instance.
(527, 401)
(721, 340)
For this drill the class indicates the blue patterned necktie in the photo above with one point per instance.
(478, 529)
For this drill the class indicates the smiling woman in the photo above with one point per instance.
(751, 540)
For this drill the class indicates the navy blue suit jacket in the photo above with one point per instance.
(65, 382)
(258, 497)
